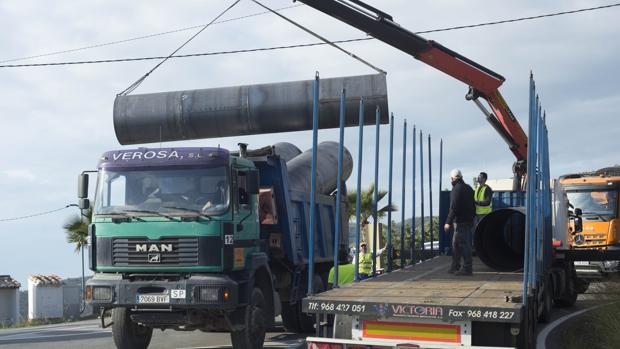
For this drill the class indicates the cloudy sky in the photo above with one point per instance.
(56, 121)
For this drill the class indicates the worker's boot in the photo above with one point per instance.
(453, 269)
(464, 272)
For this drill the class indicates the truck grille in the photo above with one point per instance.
(166, 251)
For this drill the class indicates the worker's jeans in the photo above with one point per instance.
(461, 246)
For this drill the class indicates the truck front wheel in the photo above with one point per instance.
(253, 334)
(128, 334)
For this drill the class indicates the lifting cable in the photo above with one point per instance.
(135, 85)
(36, 214)
(351, 54)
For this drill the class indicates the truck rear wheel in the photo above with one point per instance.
(128, 334)
(569, 297)
(253, 334)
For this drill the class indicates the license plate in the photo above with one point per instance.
(582, 263)
(153, 299)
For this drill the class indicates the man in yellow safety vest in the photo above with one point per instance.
(365, 261)
(483, 197)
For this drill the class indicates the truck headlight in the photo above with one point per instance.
(207, 294)
(102, 293)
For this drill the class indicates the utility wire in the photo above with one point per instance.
(215, 53)
(349, 53)
(142, 37)
(295, 46)
(135, 85)
(36, 214)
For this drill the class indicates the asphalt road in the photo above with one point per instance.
(88, 334)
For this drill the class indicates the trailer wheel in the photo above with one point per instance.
(545, 315)
(128, 334)
(253, 334)
(569, 297)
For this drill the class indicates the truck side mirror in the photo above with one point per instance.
(82, 186)
(252, 182)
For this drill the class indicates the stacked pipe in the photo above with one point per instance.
(300, 169)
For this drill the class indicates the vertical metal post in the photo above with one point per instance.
(389, 213)
(530, 185)
(358, 203)
(423, 237)
(315, 127)
(439, 227)
(413, 197)
(338, 223)
(403, 198)
(430, 192)
(375, 197)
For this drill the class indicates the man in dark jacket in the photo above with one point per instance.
(461, 216)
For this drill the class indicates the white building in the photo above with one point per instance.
(45, 297)
(9, 300)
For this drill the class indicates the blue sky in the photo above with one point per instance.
(57, 121)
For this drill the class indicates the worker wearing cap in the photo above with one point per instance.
(483, 197)
(461, 216)
(365, 261)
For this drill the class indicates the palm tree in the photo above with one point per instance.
(76, 229)
(366, 207)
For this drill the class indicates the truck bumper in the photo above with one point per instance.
(196, 292)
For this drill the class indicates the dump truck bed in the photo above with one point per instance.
(428, 291)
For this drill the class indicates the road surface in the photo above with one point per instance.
(88, 334)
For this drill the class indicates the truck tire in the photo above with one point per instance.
(128, 334)
(569, 298)
(547, 304)
(253, 334)
(307, 321)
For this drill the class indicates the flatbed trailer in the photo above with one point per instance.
(427, 304)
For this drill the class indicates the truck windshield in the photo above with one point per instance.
(602, 203)
(150, 192)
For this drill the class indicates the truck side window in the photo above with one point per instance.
(244, 198)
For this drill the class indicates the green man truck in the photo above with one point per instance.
(207, 239)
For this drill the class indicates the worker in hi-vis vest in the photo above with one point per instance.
(365, 260)
(483, 197)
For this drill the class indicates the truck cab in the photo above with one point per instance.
(595, 196)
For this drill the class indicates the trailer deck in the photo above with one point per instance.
(428, 291)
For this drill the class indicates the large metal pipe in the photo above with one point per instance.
(499, 239)
(300, 168)
(286, 151)
(244, 110)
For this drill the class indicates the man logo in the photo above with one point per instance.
(153, 247)
(154, 258)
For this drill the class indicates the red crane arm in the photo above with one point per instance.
(483, 82)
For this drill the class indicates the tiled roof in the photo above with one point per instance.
(7, 281)
(45, 279)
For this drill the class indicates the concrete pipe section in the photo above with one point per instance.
(499, 239)
(245, 110)
(300, 168)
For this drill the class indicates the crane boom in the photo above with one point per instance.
(482, 81)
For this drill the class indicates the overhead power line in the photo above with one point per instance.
(173, 31)
(118, 60)
(36, 214)
(137, 83)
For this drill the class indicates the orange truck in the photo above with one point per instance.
(595, 197)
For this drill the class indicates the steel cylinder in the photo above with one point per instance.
(300, 168)
(286, 151)
(245, 110)
(499, 239)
